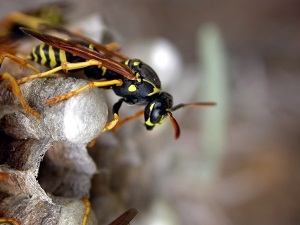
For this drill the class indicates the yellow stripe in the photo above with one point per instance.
(51, 53)
(42, 54)
(155, 89)
(62, 56)
(33, 55)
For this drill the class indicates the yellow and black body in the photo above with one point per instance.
(146, 88)
(131, 79)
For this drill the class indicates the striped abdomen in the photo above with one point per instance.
(52, 57)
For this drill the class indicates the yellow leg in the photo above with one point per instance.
(65, 67)
(9, 220)
(87, 210)
(89, 85)
(17, 92)
(127, 119)
(107, 127)
(111, 124)
(18, 60)
(13, 82)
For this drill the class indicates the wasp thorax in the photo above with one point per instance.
(143, 71)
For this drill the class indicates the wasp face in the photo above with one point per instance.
(157, 109)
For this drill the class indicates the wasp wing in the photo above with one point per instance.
(99, 46)
(81, 51)
(125, 218)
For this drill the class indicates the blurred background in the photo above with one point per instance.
(235, 163)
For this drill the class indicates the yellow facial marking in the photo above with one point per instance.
(132, 88)
(152, 106)
(126, 62)
(148, 123)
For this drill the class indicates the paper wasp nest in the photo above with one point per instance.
(63, 132)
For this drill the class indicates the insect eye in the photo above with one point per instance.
(156, 116)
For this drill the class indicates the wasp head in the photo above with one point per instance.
(158, 109)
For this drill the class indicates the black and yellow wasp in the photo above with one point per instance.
(131, 79)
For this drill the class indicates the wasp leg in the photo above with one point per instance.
(9, 220)
(65, 67)
(14, 85)
(108, 126)
(92, 84)
(111, 124)
(17, 92)
(127, 119)
(87, 210)
(18, 60)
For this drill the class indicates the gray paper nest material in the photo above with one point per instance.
(66, 127)
(35, 210)
(76, 120)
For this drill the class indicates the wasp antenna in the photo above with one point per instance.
(181, 105)
(175, 125)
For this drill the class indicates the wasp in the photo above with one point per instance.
(131, 79)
